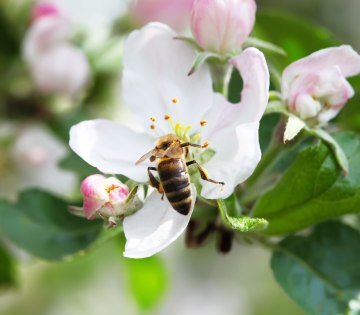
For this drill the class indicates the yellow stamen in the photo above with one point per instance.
(205, 145)
(203, 123)
(167, 117)
(174, 100)
(152, 118)
(195, 138)
(152, 127)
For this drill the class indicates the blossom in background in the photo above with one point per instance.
(56, 65)
(30, 160)
(165, 100)
(103, 196)
(222, 26)
(175, 13)
(315, 87)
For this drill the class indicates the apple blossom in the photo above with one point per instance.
(222, 26)
(174, 13)
(31, 160)
(56, 65)
(165, 100)
(315, 87)
(103, 196)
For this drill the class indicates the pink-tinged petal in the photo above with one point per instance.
(237, 155)
(222, 25)
(61, 69)
(154, 227)
(155, 72)
(344, 57)
(254, 96)
(111, 147)
(43, 34)
(44, 9)
(175, 13)
(95, 195)
(255, 74)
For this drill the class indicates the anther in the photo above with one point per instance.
(174, 100)
(205, 145)
(152, 127)
(203, 123)
(167, 117)
(152, 118)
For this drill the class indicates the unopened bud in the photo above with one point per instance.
(103, 197)
(222, 26)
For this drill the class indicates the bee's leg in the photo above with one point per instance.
(154, 182)
(186, 152)
(203, 173)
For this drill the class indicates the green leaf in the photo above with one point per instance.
(41, 224)
(240, 223)
(313, 189)
(264, 45)
(7, 268)
(320, 271)
(147, 281)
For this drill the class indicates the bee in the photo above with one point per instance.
(174, 180)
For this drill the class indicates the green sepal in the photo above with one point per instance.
(201, 58)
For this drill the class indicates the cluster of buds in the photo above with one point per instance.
(56, 65)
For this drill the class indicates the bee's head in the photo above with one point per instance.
(164, 142)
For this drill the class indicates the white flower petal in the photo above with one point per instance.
(344, 57)
(237, 155)
(154, 227)
(155, 72)
(111, 147)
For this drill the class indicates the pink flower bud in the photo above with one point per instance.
(103, 196)
(44, 9)
(315, 87)
(62, 69)
(222, 26)
(175, 13)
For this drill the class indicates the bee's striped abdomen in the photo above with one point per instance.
(175, 181)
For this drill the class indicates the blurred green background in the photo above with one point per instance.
(178, 281)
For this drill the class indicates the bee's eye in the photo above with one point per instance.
(165, 145)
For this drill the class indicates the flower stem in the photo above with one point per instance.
(268, 157)
(221, 75)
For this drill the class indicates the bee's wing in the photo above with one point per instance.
(146, 156)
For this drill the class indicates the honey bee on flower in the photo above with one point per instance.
(165, 101)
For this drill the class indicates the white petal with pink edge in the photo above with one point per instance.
(347, 59)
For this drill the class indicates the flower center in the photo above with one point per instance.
(183, 132)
